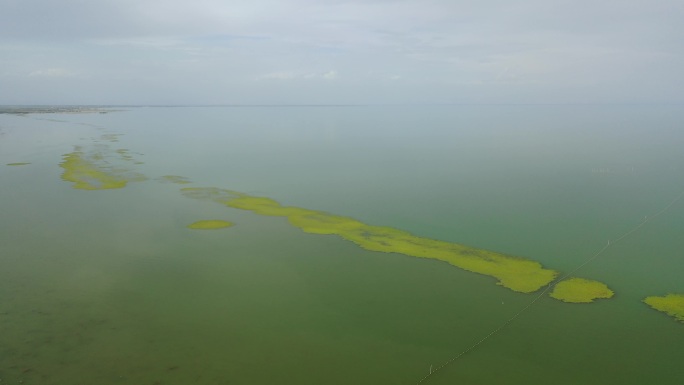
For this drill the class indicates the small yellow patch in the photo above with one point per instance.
(579, 290)
(210, 224)
(672, 304)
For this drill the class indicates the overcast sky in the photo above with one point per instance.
(346, 51)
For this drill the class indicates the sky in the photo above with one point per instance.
(160, 52)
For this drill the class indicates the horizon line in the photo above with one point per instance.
(331, 105)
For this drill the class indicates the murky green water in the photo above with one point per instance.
(110, 286)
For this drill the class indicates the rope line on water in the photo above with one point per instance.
(549, 286)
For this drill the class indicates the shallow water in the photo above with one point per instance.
(110, 286)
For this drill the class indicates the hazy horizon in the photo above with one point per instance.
(330, 105)
(303, 52)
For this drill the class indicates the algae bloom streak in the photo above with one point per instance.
(672, 304)
(103, 168)
(515, 273)
(210, 224)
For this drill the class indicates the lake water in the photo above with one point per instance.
(111, 287)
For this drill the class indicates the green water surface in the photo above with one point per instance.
(109, 286)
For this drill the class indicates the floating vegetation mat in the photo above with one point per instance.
(515, 273)
(210, 224)
(672, 304)
(580, 290)
(98, 169)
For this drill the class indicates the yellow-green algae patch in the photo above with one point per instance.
(95, 171)
(174, 179)
(672, 304)
(580, 290)
(515, 273)
(19, 164)
(210, 224)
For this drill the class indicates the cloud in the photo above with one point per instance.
(205, 46)
(52, 73)
(293, 75)
(330, 75)
(277, 76)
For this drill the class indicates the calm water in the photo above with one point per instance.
(110, 287)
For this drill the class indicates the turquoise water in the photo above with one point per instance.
(109, 286)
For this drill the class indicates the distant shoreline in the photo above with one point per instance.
(84, 108)
(25, 110)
